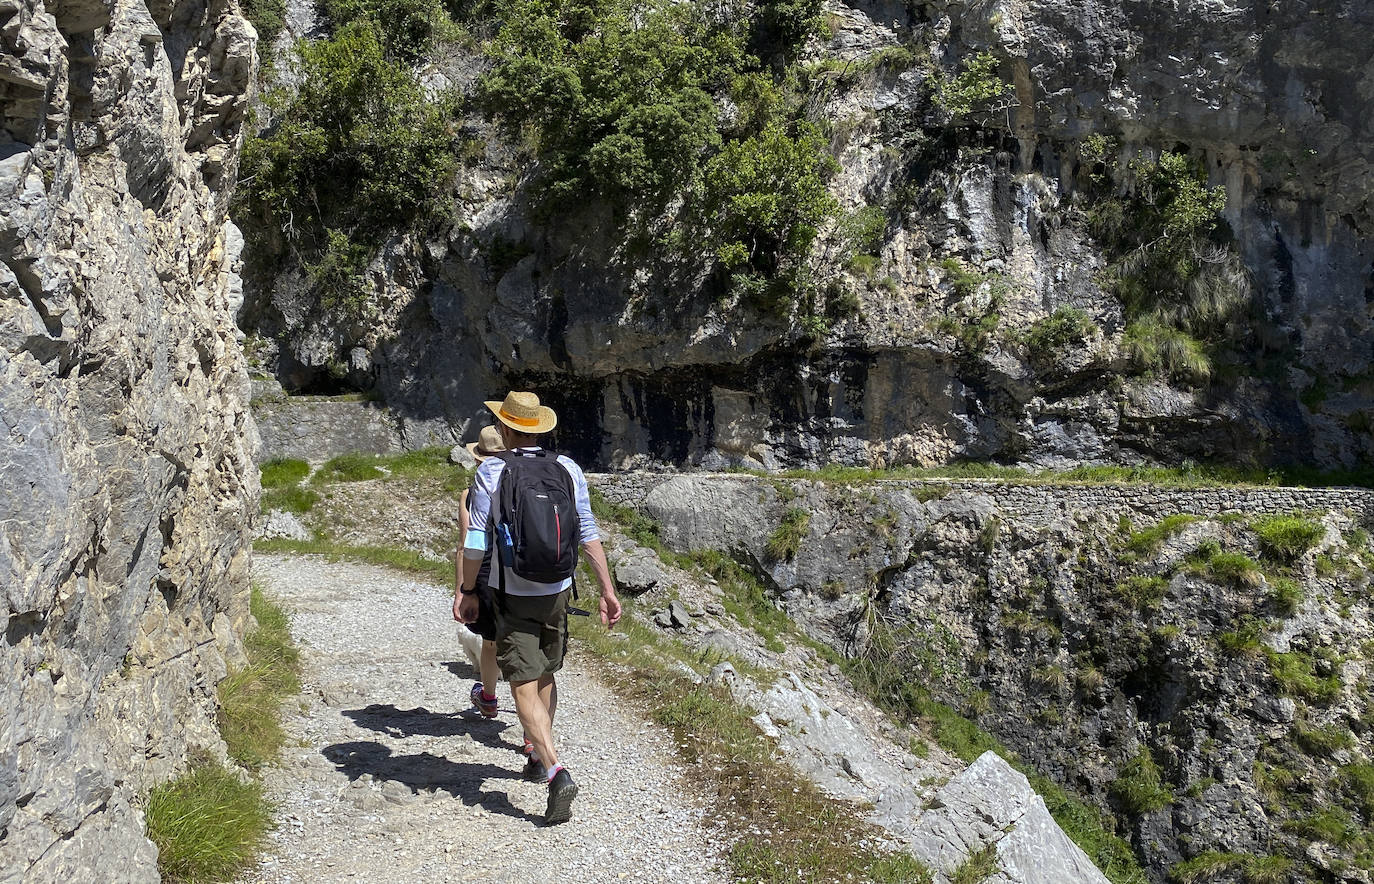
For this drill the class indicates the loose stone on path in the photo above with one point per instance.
(390, 775)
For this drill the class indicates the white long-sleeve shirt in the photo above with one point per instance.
(475, 544)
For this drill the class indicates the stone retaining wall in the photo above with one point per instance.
(1040, 504)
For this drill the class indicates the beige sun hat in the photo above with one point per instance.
(488, 443)
(522, 412)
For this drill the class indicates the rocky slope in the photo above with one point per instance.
(1195, 662)
(990, 227)
(126, 477)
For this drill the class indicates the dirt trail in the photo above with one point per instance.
(390, 775)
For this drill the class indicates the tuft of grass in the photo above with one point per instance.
(1357, 781)
(977, 868)
(1139, 787)
(1149, 540)
(1143, 593)
(207, 824)
(783, 544)
(1296, 676)
(1286, 538)
(1213, 864)
(250, 699)
(283, 471)
(1244, 640)
(1330, 824)
(1236, 569)
(1287, 596)
(1322, 742)
(389, 557)
(349, 468)
(289, 498)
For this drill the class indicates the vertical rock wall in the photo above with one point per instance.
(126, 479)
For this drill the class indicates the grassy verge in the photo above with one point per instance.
(425, 463)
(210, 823)
(390, 557)
(250, 698)
(794, 832)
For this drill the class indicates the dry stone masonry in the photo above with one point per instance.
(126, 475)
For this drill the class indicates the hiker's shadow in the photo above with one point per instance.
(384, 718)
(427, 772)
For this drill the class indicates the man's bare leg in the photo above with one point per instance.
(534, 700)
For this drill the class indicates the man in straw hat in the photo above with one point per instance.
(531, 634)
(484, 624)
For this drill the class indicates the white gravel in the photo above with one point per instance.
(390, 775)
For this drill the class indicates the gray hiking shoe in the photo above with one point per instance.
(562, 791)
(534, 771)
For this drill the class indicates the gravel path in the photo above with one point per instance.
(390, 775)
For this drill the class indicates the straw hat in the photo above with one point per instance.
(523, 413)
(488, 443)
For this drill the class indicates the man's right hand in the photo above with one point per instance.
(465, 607)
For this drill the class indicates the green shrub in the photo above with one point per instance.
(1244, 641)
(862, 231)
(1183, 286)
(975, 86)
(783, 544)
(283, 471)
(1052, 335)
(766, 195)
(1143, 593)
(207, 825)
(356, 150)
(1138, 786)
(1285, 538)
(409, 28)
(250, 698)
(348, 468)
(268, 17)
(1149, 540)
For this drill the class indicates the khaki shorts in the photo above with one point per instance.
(531, 635)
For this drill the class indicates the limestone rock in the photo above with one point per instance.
(126, 452)
(992, 803)
(638, 571)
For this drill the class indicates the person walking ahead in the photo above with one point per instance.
(539, 512)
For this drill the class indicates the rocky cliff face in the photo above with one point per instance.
(126, 480)
(940, 360)
(1163, 654)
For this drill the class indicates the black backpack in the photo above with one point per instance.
(537, 528)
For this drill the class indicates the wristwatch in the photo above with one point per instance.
(472, 591)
